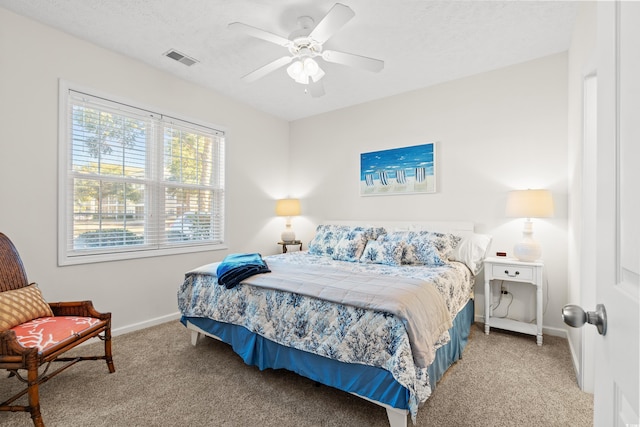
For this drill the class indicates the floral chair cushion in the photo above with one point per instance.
(46, 332)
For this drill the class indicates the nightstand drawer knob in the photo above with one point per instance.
(516, 274)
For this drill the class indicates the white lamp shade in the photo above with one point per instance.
(529, 204)
(288, 207)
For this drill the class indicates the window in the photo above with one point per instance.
(135, 182)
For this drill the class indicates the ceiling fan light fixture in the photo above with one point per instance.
(295, 69)
(302, 70)
(317, 76)
(303, 79)
(311, 67)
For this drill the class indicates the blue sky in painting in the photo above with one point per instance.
(407, 158)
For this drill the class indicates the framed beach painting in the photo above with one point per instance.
(405, 170)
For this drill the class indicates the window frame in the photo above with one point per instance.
(155, 187)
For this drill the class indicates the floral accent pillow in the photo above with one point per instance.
(445, 243)
(350, 246)
(383, 252)
(328, 241)
(325, 240)
(421, 250)
(425, 247)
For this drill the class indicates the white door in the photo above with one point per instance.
(616, 395)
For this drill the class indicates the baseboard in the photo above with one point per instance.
(546, 330)
(146, 324)
(556, 332)
(576, 364)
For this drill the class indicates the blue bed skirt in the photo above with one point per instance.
(367, 381)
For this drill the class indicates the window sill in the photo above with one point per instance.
(119, 256)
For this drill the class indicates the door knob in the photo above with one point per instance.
(575, 316)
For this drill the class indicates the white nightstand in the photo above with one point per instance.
(512, 270)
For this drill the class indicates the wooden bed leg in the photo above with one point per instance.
(194, 337)
(397, 417)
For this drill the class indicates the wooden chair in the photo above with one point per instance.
(34, 333)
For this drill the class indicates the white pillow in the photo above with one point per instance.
(472, 250)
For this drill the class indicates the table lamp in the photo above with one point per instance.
(288, 208)
(529, 204)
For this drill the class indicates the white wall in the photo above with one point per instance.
(33, 58)
(496, 131)
(581, 285)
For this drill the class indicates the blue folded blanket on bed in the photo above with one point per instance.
(234, 268)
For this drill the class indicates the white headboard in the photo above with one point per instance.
(460, 228)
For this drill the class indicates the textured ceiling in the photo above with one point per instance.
(421, 42)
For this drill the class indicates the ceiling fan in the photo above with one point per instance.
(305, 46)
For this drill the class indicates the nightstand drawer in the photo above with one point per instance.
(512, 272)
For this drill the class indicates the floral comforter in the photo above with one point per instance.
(337, 331)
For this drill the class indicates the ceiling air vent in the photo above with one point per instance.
(183, 59)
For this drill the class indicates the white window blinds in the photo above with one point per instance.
(136, 182)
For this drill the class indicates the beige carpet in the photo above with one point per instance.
(504, 379)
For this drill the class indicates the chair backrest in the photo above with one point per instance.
(12, 274)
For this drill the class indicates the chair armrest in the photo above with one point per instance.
(77, 308)
(12, 354)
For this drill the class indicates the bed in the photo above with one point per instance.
(349, 312)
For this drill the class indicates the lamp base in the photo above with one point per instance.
(527, 249)
(288, 235)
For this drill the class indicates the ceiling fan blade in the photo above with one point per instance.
(352, 60)
(264, 70)
(332, 22)
(316, 89)
(260, 34)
